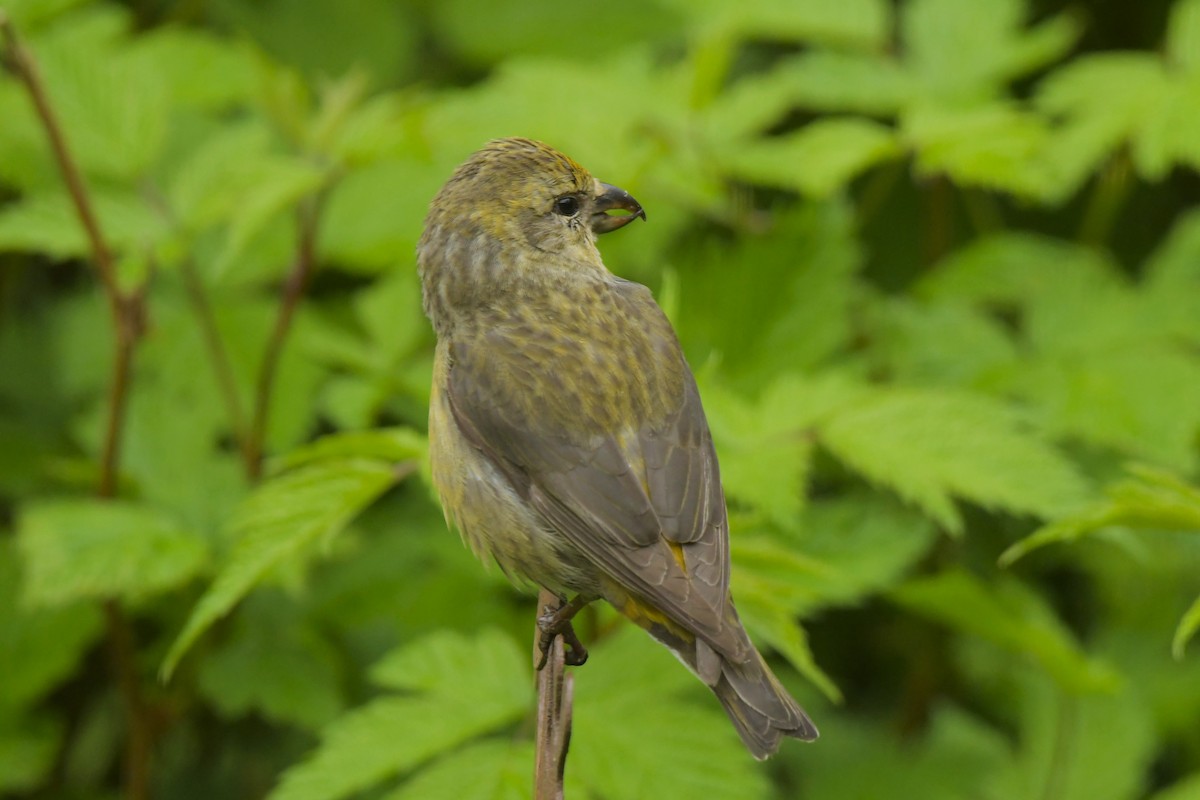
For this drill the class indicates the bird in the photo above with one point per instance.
(567, 438)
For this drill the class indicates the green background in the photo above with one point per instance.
(936, 265)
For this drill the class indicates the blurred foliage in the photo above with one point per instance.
(937, 267)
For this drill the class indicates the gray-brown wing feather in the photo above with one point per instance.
(618, 509)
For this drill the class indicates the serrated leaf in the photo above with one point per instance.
(279, 519)
(765, 448)
(75, 549)
(1108, 98)
(930, 446)
(1135, 399)
(818, 160)
(385, 444)
(993, 146)
(276, 664)
(625, 731)
(774, 586)
(463, 688)
(1150, 498)
(1015, 269)
(1010, 616)
(966, 51)
(490, 770)
(866, 543)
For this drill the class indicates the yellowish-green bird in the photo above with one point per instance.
(567, 438)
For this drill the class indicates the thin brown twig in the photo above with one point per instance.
(217, 353)
(555, 698)
(127, 315)
(126, 309)
(307, 222)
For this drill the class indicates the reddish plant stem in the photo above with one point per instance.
(127, 315)
(307, 222)
(555, 697)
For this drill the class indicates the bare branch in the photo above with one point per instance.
(555, 697)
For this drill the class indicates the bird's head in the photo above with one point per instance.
(513, 210)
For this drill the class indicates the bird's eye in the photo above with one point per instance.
(567, 205)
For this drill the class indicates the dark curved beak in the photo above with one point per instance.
(612, 198)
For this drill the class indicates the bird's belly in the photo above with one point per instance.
(494, 520)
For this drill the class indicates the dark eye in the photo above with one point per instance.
(567, 205)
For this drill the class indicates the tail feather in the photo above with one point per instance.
(760, 708)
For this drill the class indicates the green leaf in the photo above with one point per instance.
(930, 446)
(276, 664)
(964, 51)
(952, 758)
(29, 14)
(626, 730)
(818, 160)
(1109, 98)
(273, 184)
(460, 689)
(993, 146)
(376, 35)
(207, 185)
(95, 549)
(1016, 269)
(1067, 748)
(282, 517)
(483, 34)
(1008, 615)
(831, 80)
(201, 70)
(1187, 788)
(385, 444)
(1150, 498)
(773, 623)
(489, 770)
(857, 23)
(765, 448)
(27, 751)
(114, 109)
(1134, 399)
(51, 641)
(866, 543)
(943, 344)
(364, 234)
(1187, 629)
(1183, 35)
(48, 223)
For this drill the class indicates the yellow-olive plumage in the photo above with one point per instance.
(567, 438)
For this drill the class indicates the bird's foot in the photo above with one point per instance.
(557, 622)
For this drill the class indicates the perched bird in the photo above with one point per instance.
(567, 438)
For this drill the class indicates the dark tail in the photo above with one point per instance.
(761, 709)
